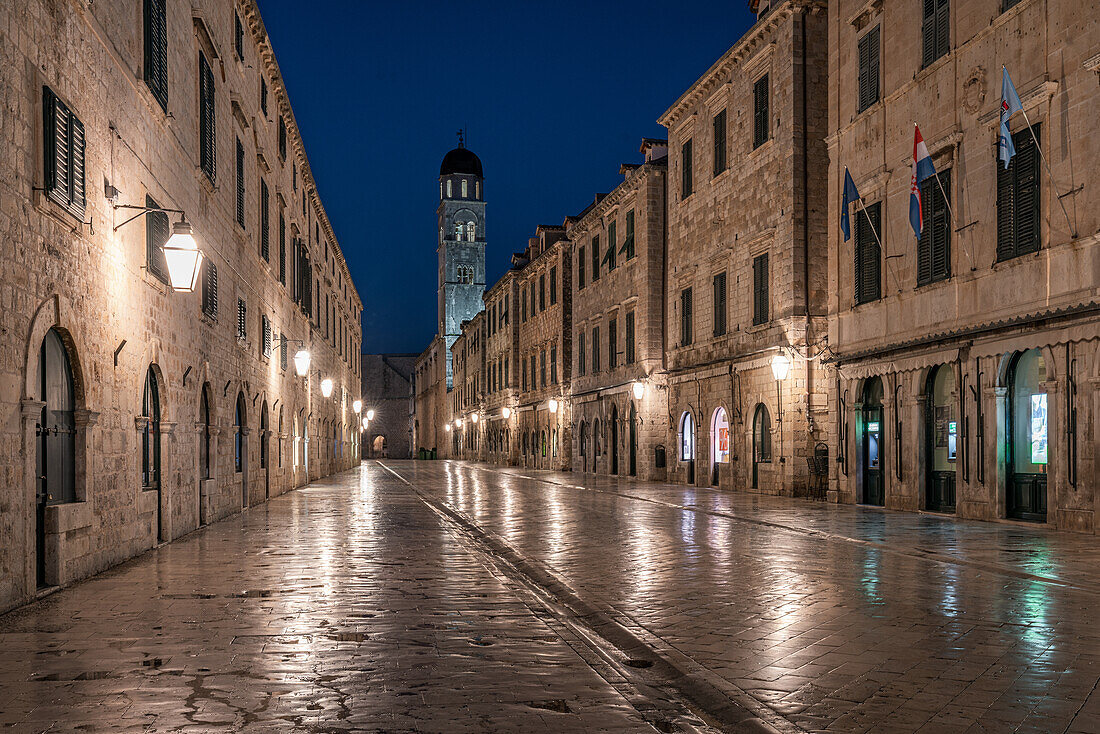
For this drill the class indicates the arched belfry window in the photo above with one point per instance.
(56, 442)
(150, 435)
(465, 189)
(449, 188)
(471, 232)
(238, 433)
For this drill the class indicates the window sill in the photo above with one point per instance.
(763, 146)
(869, 109)
(934, 66)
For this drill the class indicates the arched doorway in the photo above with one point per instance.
(941, 436)
(614, 439)
(379, 447)
(719, 442)
(240, 446)
(687, 444)
(150, 444)
(633, 441)
(206, 454)
(595, 445)
(1027, 454)
(761, 442)
(56, 445)
(263, 450)
(874, 492)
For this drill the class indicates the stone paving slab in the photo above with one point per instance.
(347, 606)
(838, 618)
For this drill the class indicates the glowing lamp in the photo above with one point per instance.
(505, 412)
(366, 424)
(326, 387)
(781, 365)
(639, 389)
(183, 258)
(553, 405)
(301, 362)
(357, 406)
(447, 427)
(370, 414)
(475, 417)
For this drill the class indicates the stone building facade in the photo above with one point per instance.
(619, 397)
(431, 411)
(966, 361)
(500, 444)
(467, 395)
(133, 414)
(747, 258)
(387, 390)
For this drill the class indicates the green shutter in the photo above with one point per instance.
(760, 112)
(685, 317)
(595, 258)
(934, 246)
(265, 246)
(1026, 185)
(156, 51)
(628, 239)
(207, 127)
(719, 142)
(685, 169)
(156, 234)
(868, 68)
(760, 290)
(240, 183)
(868, 259)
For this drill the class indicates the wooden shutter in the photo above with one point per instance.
(630, 337)
(595, 349)
(868, 68)
(685, 317)
(934, 247)
(156, 51)
(242, 325)
(282, 248)
(1006, 208)
(580, 267)
(238, 36)
(760, 112)
(282, 351)
(553, 286)
(868, 258)
(719, 142)
(628, 239)
(595, 258)
(1026, 185)
(760, 289)
(719, 304)
(240, 183)
(935, 30)
(685, 169)
(207, 127)
(265, 247)
(943, 27)
(265, 331)
(581, 366)
(612, 237)
(76, 166)
(612, 344)
(210, 289)
(64, 143)
(156, 234)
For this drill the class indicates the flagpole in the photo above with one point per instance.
(1050, 173)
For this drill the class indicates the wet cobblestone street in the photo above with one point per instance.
(451, 597)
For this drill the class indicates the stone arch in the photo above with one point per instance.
(50, 315)
(1004, 364)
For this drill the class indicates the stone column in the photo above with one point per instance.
(23, 521)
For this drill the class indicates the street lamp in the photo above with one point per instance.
(474, 417)
(357, 406)
(447, 427)
(301, 362)
(553, 405)
(505, 412)
(326, 387)
(781, 365)
(183, 258)
(639, 389)
(366, 423)
(370, 414)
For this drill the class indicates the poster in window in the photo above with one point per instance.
(1039, 429)
(941, 426)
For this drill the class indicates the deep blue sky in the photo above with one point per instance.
(555, 96)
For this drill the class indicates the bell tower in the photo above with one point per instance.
(461, 244)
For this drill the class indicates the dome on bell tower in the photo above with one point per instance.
(461, 160)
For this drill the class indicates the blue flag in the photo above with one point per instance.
(1010, 103)
(850, 194)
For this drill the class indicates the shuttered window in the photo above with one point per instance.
(630, 337)
(719, 124)
(553, 286)
(868, 255)
(64, 142)
(868, 68)
(282, 142)
(580, 267)
(156, 234)
(581, 366)
(685, 317)
(265, 219)
(207, 127)
(263, 96)
(595, 258)
(282, 351)
(719, 288)
(240, 183)
(238, 36)
(760, 304)
(265, 330)
(1018, 199)
(612, 238)
(553, 365)
(935, 30)
(282, 248)
(542, 293)
(156, 51)
(628, 239)
(612, 344)
(595, 349)
(210, 289)
(934, 246)
(242, 322)
(760, 126)
(685, 169)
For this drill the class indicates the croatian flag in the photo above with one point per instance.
(922, 169)
(1010, 103)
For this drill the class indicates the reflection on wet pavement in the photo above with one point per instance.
(835, 617)
(346, 606)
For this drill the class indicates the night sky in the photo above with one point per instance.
(554, 96)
